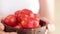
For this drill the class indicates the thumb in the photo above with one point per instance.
(13, 33)
(1, 27)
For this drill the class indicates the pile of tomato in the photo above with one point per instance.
(23, 19)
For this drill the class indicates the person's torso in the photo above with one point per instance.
(10, 6)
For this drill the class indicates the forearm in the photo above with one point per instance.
(47, 9)
(47, 13)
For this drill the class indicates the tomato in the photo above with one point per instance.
(18, 15)
(27, 12)
(18, 12)
(36, 24)
(26, 24)
(36, 17)
(36, 20)
(23, 14)
(10, 20)
(29, 23)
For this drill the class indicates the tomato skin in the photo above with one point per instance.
(26, 24)
(27, 12)
(23, 14)
(18, 15)
(36, 20)
(10, 20)
(36, 24)
(30, 23)
(36, 16)
(17, 12)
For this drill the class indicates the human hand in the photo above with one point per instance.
(2, 28)
(49, 25)
(2, 32)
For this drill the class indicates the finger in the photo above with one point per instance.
(7, 33)
(1, 27)
(13, 33)
(1, 32)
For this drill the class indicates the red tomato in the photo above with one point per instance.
(29, 23)
(10, 20)
(24, 14)
(18, 15)
(18, 12)
(36, 17)
(36, 24)
(27, 12)
(24, 17)
(36, 20)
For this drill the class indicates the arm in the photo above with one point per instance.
(47, 9)
(47, 12)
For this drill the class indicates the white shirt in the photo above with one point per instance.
(10, 6)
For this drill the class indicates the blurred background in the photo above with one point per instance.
(57, 17)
